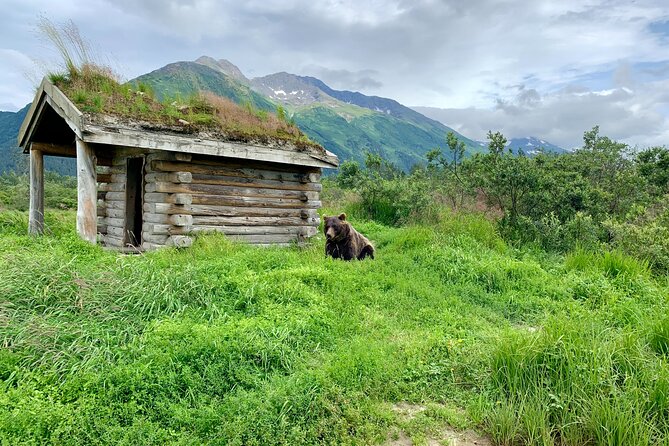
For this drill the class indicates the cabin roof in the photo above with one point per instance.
(54, 120)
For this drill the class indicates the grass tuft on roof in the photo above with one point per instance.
(99, 93)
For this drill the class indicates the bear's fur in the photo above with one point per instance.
(344, 242)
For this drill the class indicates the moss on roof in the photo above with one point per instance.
(100, 96)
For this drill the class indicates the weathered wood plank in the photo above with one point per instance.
(227, 211)
(168, 156)
(159, 239)
(210, 189)
(223, 180)
(111, 187)
(306, 231)
(218, 168)
(116, 232)
(220, 200)
(254, 221)
(68, 151)
(176, 143)
(86, 192)
(117, 222)
(112, 204)
(176, 219)
(155, 197)
(36, 214)
(157, 228)
(116, 242)
(171, 177)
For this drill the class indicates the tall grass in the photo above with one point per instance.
(229, 344)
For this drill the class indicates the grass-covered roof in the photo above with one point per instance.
(98, 94)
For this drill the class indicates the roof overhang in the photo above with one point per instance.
(48, 95)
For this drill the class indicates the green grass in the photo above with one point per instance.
(229, 344)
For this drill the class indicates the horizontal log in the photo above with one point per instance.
(111, 187)
(254, 221)
(160, 239)
(168, 156)
(114, 213)
(224, 180)
(306, 231)
(227, 211)
(55, 149)
(176, 219)
(153, 197)
(210, 189)
(253, 164)
(237, 170)
(115, 231)
(170, 177)
(219, 200)
(146, 246)
(119, 178)
(115, 196)
(157, 228)
(118, 222)
(116, 242)
(111, 204)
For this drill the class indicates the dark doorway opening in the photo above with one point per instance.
(134, 192)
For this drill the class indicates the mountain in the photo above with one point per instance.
(351, 124)
(224, 66)
(532, 146)
(12, 158)
(187, 78)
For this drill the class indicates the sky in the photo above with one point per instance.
(545, 68)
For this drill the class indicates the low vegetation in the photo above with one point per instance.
(604, 195)
(230, 344)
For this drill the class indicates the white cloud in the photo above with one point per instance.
(428, 52)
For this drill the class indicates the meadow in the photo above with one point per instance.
(228, 344)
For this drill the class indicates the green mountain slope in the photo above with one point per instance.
(12, 158)
(187, 78)
(351, 136)
(346, 129)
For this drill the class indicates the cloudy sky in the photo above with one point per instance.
(544, 68)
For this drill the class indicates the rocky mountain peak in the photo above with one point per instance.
(224, 66)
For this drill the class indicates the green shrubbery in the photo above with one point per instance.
(603, 194)
(60, 191)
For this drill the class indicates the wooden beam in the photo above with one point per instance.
(86, 192)
(194, 145)
(55, 149)
(36, 215)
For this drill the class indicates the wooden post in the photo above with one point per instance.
(36, 215)
(86, 192)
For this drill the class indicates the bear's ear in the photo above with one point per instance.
(342, 217)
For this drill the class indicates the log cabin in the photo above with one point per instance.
(142, 187)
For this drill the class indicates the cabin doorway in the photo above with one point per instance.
(134, 202)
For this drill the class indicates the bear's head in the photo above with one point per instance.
(336, 228)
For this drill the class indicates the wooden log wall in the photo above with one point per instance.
(111, 201)
(254, 202)
(258, 203)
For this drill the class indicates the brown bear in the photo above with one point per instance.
(344, 242)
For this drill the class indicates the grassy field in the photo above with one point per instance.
(229, 344)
